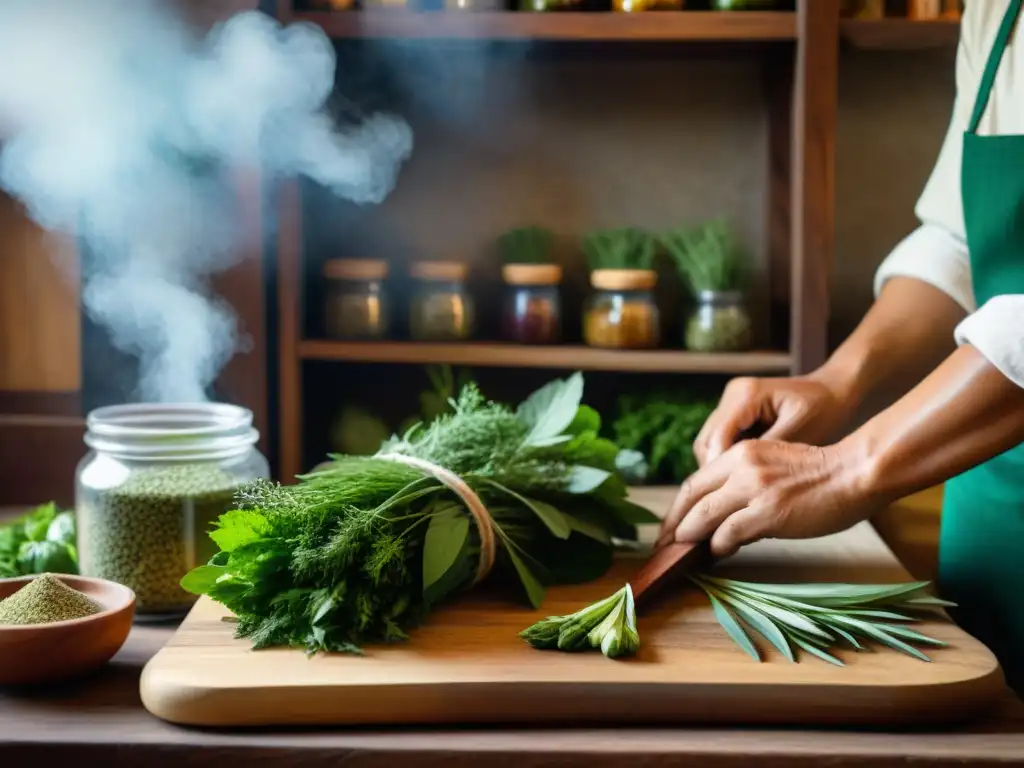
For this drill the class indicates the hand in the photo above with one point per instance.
(807, 409)
(768, 489)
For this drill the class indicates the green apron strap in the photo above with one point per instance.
(995, 57)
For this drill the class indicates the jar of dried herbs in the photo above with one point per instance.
(622, 313)
(356, 305)
(442, 308)
(638, 6)
(147, 494)
(533, 307)
(719, 323)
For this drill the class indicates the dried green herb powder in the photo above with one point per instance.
(44, 600)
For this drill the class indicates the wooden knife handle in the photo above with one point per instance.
(664, 567)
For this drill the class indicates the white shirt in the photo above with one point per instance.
(936, 252)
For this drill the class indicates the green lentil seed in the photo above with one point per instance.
(44, 600)
(148, 532)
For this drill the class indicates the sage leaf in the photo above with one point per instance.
(586, 479)
(534, 589)
(815, 651)
(733, 628)
(761, 623)
(446, 533)
(550, 410)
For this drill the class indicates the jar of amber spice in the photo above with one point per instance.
(356, 306)
(533, 308)
(622, 313)
(442, 309)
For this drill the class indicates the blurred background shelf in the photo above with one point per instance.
(567, 26)
(560, 357)
(895, 34)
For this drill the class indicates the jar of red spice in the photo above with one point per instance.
(533, 307)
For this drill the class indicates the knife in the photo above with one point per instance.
(664, 568)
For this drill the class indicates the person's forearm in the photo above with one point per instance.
(905, 335)
(961, 415)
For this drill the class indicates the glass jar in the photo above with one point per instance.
(622, 313)
(356, 306)
(719, 323)
(156, 478)
(637, 6)
(533, 308)
(442, 309)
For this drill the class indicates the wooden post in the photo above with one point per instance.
(813, 179)
(289, 300)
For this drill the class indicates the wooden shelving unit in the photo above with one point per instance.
(499, 355)
(894, 34)
(799, 55)
(671, 26)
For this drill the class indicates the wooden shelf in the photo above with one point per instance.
(750, 26)
(899, 34)
(498, 355)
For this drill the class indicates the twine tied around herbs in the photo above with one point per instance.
(482, 518)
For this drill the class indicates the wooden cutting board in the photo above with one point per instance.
(467, 665)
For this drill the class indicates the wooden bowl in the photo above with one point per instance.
(38, 653)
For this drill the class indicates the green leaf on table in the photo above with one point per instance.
(534, 589)
(815, 651)
(200, 580)
(759, 622)
(551, 409)
(446, 534)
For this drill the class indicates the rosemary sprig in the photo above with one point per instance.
(814, 618)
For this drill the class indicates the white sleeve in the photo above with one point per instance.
(997, 332)
(936, 252)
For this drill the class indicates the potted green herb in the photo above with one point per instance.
(622, 312)
(714, 267)
(533, 306)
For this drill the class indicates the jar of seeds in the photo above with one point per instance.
(147, 494)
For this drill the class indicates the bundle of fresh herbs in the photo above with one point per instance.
(526, 245)
(360, 550)
(42, 541)
(625, 248)
(662, 426)
(708, 257)
(814, 618)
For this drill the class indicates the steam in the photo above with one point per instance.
(119, 126)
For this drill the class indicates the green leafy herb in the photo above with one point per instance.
(814, 618)
(661, 427)
(42, 541)
(359, 550)
(708, 258)
(526, 245)
(608, 625)
(626, 248)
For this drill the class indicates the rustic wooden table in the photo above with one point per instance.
(100, 721)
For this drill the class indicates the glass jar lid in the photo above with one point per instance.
(439, 271)
(532, 274)
(171, 431)
(360, 270)
(624, 279)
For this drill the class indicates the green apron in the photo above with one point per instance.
(981, 550)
